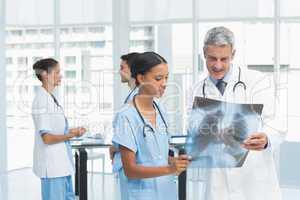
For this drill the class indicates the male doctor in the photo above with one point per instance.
(125, 74)
(256, 179)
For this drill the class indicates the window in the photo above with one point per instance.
(31, 31)
(98, 44)
(231, 9)
(142, 38)
(180, 59)
(85, 12)
(78, 30)
(84, 48)
(64, 31)
(70, 60)
(96, 29)
(289, 45)
(289, 78)
(47, 31)
(15, 33)
(9, 60)
(70, 89)
(70, 74)
(22, 74)
(22, 61)
(182, 48)
(289, 8)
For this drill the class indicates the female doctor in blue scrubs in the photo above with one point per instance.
(52, 161)
(141, 135)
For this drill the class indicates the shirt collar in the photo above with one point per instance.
(131, 94)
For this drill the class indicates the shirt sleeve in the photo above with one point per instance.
(123, 133)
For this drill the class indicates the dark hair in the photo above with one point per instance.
(46, 64)
(144, 62)
(129, 58)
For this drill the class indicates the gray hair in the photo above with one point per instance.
(219, 36)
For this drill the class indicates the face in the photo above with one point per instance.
(154, 82)
(218, 59)
(53, 77)
(125, 71)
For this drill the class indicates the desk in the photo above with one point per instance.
(81, 157)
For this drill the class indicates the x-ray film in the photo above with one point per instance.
(216, 131)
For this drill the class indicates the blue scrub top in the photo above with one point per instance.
(151, 150)
(117, 163)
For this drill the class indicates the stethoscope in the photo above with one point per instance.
(55, 101)
(145, 125)
(59, 106)
(239, 82)
(129, 95)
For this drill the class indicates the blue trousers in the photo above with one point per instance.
(59, 188)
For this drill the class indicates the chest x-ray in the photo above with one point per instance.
(216, 131)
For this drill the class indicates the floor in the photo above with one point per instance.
(23, 185)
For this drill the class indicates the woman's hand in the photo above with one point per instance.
(112, 151)
(49, 138)
(179, 164)
(77, 132)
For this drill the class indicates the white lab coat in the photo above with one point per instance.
(49, 160)
(257, 178)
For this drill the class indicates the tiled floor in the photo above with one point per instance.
(23, 185)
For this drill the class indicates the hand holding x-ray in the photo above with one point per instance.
(256, 142)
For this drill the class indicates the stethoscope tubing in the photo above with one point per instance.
(143, 120)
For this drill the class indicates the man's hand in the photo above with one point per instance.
(256, 142)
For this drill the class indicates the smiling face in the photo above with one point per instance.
(153, 83)
(218, 59)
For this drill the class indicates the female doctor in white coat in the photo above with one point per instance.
(256, 179)
(52, 161)
(141, 135)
